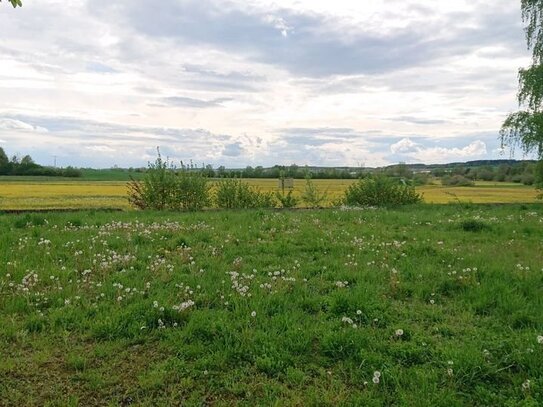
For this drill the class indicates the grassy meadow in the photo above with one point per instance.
(24, 193)
(432, 305)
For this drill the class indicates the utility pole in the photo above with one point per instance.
(55, 161)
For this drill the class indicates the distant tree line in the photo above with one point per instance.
(527, 173)
(522, 172)
(278, 171)
(27, 166)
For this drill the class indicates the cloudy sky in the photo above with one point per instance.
(254, 82)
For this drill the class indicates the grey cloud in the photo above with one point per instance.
(100, 68)
(316, 45)
(330, 132)
(320, 136)
(309, 49)
(317, 136)
(69, 124)
(201, 77)
(180, 101)
(233, 150)
(417, 120)
(81, 138)
(11, 124)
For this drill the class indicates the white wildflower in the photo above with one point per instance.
(183, 306)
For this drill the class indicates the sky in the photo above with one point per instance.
(254, 82)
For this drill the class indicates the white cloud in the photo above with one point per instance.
(404, 146)
(417, 152)
(279, 23)
(10, 124)
(101, 149)
(406, 70)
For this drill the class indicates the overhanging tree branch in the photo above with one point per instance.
(525, 128)
(15, 3)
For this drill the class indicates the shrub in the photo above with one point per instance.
(457, 181)
(192, 191)
(287, 200)
(236, 194)
(527, 179)
(164, 187)
(380, 191)
(311, 195)
(157, 189)
(421, 179)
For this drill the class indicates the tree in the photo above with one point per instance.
(15, 3)
(166, 187)
(4, 160)
(27, 160)
(525, 128)
(311, 195)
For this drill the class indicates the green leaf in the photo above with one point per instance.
(16, 3)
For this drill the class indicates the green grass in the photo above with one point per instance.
(89, 307)
(87, 174)
(91, 174)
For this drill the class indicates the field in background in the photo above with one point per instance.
(49, 193)
(425, 306)
(62, 195)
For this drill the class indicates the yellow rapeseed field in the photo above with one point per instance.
(56, 195)
(113, 194)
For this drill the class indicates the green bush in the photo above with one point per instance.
(236, 194)
(193, 191)
(165, 187)
(528, 179)
(287, 200)
(380, 191)
(457, 181)
(421, 179)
